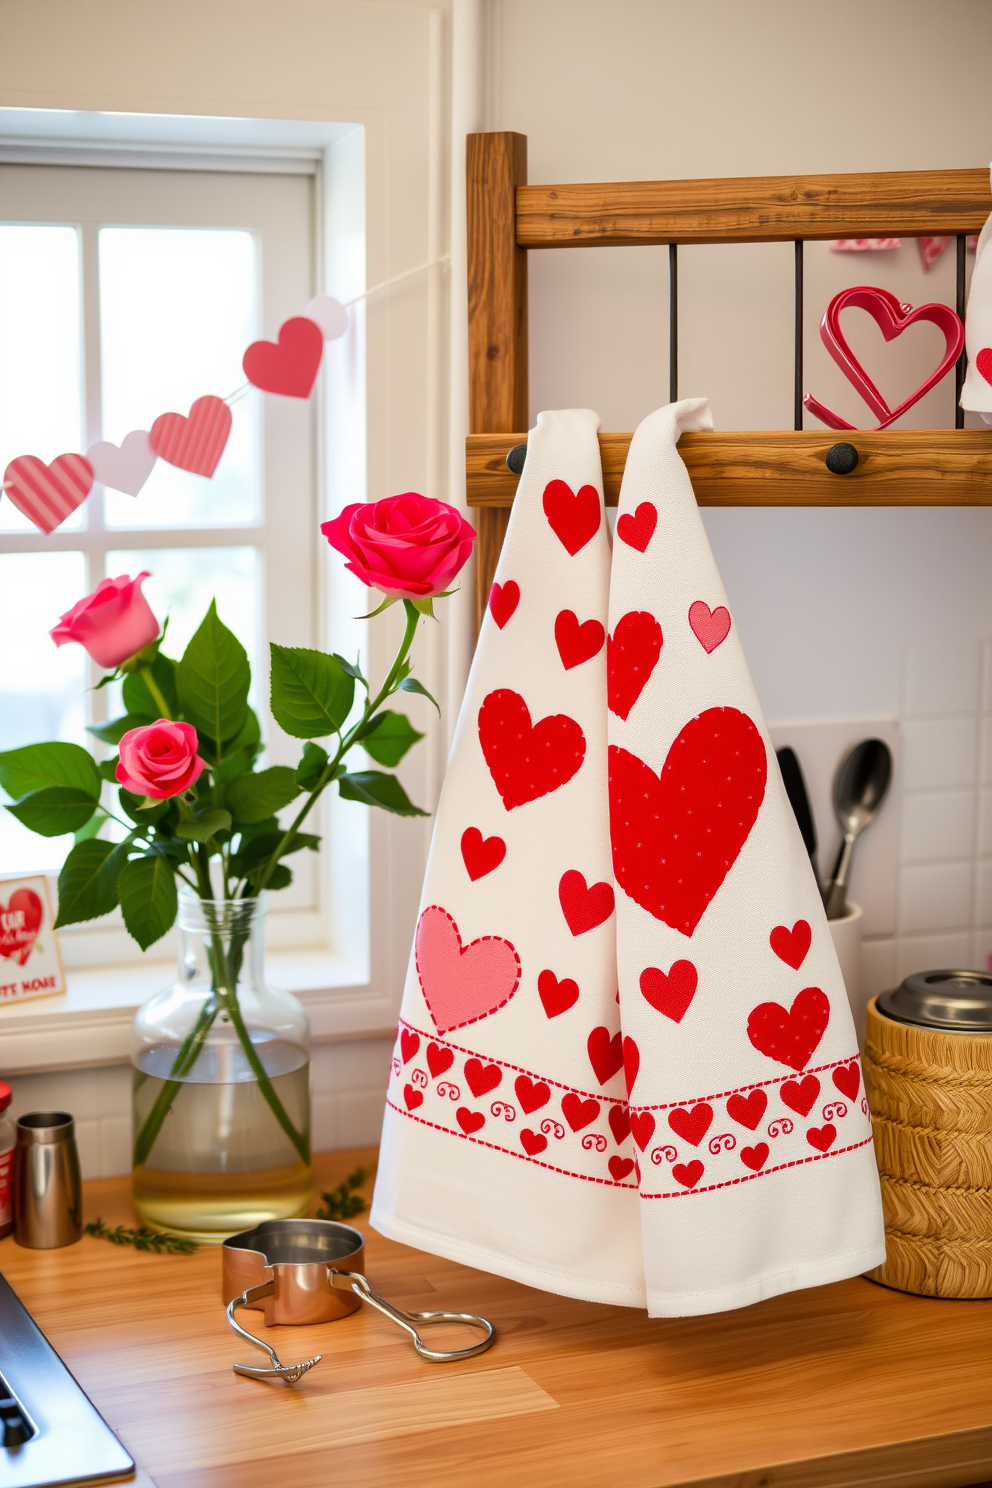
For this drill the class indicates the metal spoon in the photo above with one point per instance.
(859, 791)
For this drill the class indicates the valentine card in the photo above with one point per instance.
(30, 962)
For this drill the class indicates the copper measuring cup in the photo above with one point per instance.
(288, 1269)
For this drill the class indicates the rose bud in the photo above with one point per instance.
(407, 547)
(159, 759)
(112, 623)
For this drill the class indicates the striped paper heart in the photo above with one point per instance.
(47, 494)
(195, 443)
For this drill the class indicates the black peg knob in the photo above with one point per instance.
(841, 459)
(515, 459)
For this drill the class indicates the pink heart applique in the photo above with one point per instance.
(710, 627)
(462, 984)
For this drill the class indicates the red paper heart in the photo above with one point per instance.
(577, 643)
(556, 996)
(469, 1121)
(290, 365)
(821, 1137)
(462, 984)
(195, 443)
(605, 1053)
(675, 838)
(20, 921)
(47, 494)
(574, 517)
(791, 946)
(983, 361)
(481, 854)
(413, 1098)
(409, 1044)
(688, 1174)
(847, 1078)
(631, 1063)
(747, 1110)
(527, 760)
(532, 1142)
(642, 1125)
(790, 1037)
(692, 1125)
(710, 627)
(631, 656)
(670, 993)
(620, 1167)
(584, 905)
(755, 1157)
(578, 1112)
(439, 1059)
(637, 530)
(799, 1095)
(619, 1120)
(482, 1077)
(503, 600)
(532, 1094)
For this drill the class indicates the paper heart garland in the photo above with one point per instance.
(290, 365)
(573, 516)
(527, 760)
(20, 922)
(47, 494)
(195, 443)
(462, 984)
(124, 467)
(329, 314)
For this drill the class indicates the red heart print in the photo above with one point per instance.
(469, 1121)
(792, 945)
(578, 1112)
(47, 494)
(800, 1095)
(983, 361)
(532, 1142)
(195, 443)
(847, 1078)
(790, 1037)
(574, 517)
(289, 365)
(439, 1059)
(532, 1094)
(631, 656)
(637, 530)
(688, 1174)
(631, 1063)
(672, 992)
(20, 921)
(619, 1120)
(821, 1137)
(584, 905)
(747, 1110)
(481, 854)
(409, 1044)
(556, 996)
(710, 627)
(413, 1098)
(642, 1125)
(503, 600)
(605, 1053)
(675, 838)
(577, 643)
(692, 1125)
(527, 760)
(462, 984)
(755, 1157)
(620, 1167)
(482, 1077)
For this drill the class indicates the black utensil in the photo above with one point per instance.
(795, 789)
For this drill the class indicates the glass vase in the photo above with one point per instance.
(221, 1095)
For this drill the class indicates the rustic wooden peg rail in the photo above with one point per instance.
(507, 218)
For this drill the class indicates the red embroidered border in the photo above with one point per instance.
(798, 1162)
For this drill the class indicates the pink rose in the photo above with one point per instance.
(112, 623)
(159, 759)
(407, 547)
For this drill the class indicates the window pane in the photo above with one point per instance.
(41, 396)
(177, 310)
(42, 687)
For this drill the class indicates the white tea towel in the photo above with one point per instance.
(506, 1140)
(757, 1174)
(976, 394)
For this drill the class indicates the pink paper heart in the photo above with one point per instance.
(124, 467)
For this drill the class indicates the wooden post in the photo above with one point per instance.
(496, 164)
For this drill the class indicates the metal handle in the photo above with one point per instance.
(357, 1283)
(288, 1372)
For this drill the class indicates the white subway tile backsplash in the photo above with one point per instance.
(938, 825)
(931, 952)
(939, 753)
(983, 892)
(987, 676)
(985, 751)
(937, 896)
(941, 678)
(983, 838)
(878, 966)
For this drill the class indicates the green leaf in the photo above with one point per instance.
(253, 797)
(313, 763)
(204, 826)
(280, 878)
(410, 684)
(147, 889)
(259, 849)
(392, 735)
(38, 765)
(213, 680)
(346, 666)
(108, 770)
(138, 697)
(376, 789)
(88, 881)
(113, 732)
(311, 693)
(144, 816)
(54, 810)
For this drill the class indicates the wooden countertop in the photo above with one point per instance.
(843, 1384)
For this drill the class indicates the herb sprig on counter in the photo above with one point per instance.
(342, 1202)
(141, 1238)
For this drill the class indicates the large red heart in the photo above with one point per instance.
(637, 529)
(481, 1077)
(631, 656)
(527, 760)
(290, 365)
(584, 905)
(47, 494)
(605, 1053)
(710, 627)
(532, 1094)
(675, 838)
(481, 854)
(20, 921)
(619, 1120)
(556, 996)
(692, 1125)
(195, 443)
(747, 1110)
(642, 1125)
(577, 643)
(792, 945)
(847, 1078)
(790, 1036)
(503, 600)
(574, 516)
(578, 1112)
(688, 1174)
(799, 1095)
(462, 983)
(670, 994)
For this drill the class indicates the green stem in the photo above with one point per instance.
(155, 690)
(182, 1064)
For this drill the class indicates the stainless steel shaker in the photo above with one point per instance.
(48, 1208)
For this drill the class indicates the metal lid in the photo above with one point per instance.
(959, 1001)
